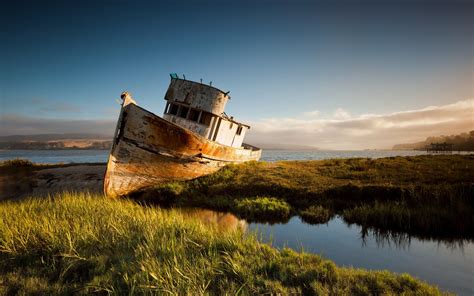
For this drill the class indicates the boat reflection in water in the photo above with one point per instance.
(223, 221)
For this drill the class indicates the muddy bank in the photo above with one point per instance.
(44, 180)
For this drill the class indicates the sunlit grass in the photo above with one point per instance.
(263, 208)
(81, 244)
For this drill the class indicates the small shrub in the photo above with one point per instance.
(263, 208)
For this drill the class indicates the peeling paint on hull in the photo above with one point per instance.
(149, 150)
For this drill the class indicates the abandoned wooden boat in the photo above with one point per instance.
(194, 138)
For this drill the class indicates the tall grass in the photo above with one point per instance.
(82, 244)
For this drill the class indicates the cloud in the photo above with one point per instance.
(13, 124)
(367, 131)
(341, 114)
(314, 113)
(339, 131)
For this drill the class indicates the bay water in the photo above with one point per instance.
(83, 156)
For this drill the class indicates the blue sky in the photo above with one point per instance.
(70, 60)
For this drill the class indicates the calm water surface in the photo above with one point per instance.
(450, 266)
(56, 156)
(80, 156)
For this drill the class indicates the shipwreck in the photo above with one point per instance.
(194, 137)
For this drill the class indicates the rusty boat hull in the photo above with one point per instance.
(149, 150)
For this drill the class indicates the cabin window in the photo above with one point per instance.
(231, 125)
(205, 118)
(173, 110)
(183, 112)
(239, 131)
(193, 115)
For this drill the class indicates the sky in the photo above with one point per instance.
(328, 74)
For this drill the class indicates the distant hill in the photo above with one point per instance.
(461, 142)
(55, 142)
(53, 137)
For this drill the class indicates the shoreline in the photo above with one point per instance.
(419, 196)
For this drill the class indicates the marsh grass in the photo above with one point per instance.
(443, 184)
(82, 244)
(263, 209)
(16, 166)
(17, 162)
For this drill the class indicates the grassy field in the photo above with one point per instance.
(426, 196)
(81, 244)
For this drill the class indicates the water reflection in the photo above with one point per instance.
(223, 221)
(448, 264)
(385, 238)
(400, 240)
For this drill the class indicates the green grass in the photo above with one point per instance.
(263, 209)
(353, 188)
(81, 244)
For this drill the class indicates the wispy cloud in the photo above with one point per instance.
(343, 131)
(314, 113)
(341, 114)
